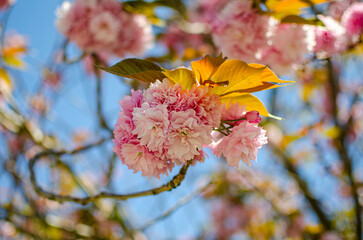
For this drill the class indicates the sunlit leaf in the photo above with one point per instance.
(286, 140)
(184, 76)
(235, 76)
(251, 102)
(136, 69)
(287, 7)
(13, 51)
(206, 67)
(5, 81)
(13, 61)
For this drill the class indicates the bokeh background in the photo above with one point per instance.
(306, 184)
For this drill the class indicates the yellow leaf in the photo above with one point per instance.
(206, 67)
(288, 139)
(13, 61)
(251, 102)
(184, 76)
(332, 132)
(5, 82)
(235, 76)
(287, 7)
(14, 50)
(282, 8)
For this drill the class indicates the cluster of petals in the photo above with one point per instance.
(245, 138)
(289, 46)
(330, 39)
(352, 20)
(240, 32)
(103, 26)
(165, 125)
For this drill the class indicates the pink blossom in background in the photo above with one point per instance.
(290, 44)
(102, 26)
(206, 10)
(352, 20)
(337, 8)
(229, 218)
(240, 32)
(242, 143)
(179, 40)
(330, 39)
(51, 78)
(4, 4)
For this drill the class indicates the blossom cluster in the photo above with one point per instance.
(243, 32)
(103, 26)
(166, 126)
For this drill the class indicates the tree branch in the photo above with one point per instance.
(341, 148)
(314, 203)
(174, 183)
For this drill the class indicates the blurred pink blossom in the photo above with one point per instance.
(352, 20)
(6, 3)
(289, 46)
(330, 39)
(103, 26)
(240, 32)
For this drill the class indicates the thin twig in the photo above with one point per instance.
(101, 118)
(179, 204)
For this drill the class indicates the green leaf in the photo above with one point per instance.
(137, 69)
(298, 20)
(184, 76)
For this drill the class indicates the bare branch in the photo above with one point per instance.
(174, 183)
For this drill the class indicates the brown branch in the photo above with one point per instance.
(97, 71)
(174, 183)
(341, 148)
(314, 203)
(74, 60)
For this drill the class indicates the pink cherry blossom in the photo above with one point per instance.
(179, 40)
(330, 39)
(352, 19)
(165, 125)
(102, 26)
(139, 158)
(207, 106)
(240, 32)
(186, 137)
(290, 44)
(242, 143)
(207, 10)
(233, 112)
(253, 117)
(151, 125)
